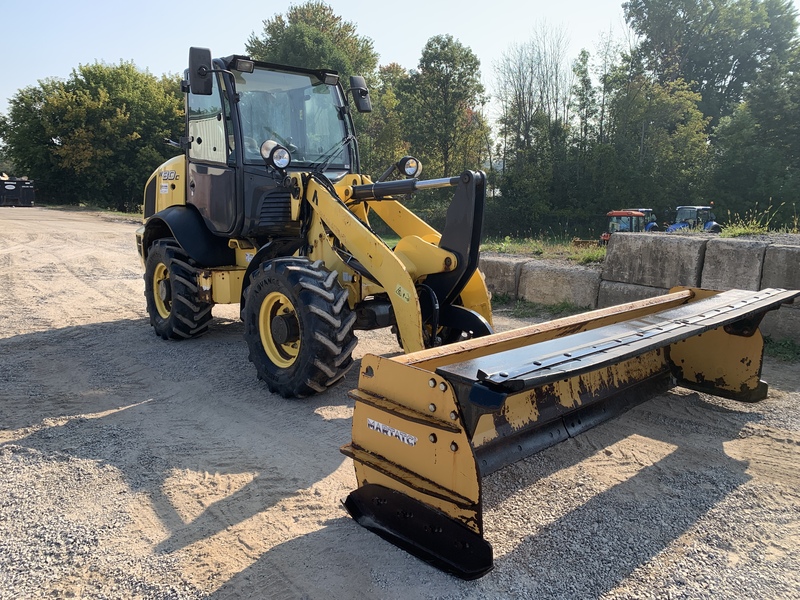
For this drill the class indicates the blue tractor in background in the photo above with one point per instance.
(695, 217)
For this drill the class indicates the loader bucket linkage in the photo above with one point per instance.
(429, 425)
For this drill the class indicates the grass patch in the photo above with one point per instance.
(133, 216)
(754, 222)
(391, 239)
(509, 245)
(522, 309)
(554, 248)
(585, 256)
(785, 350)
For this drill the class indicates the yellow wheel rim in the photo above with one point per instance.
(162, 293)
(273, 306)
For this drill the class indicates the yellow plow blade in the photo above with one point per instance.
(429, 425)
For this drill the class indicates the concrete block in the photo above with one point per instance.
(655, 259)
(781, 268)
(612, 293)
(551, 283)
(502, 273)
(782, 324)
(732, 263)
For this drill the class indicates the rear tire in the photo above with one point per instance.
(298, 326)
(170, 288)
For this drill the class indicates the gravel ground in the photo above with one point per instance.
(136, 468)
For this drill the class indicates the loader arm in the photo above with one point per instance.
(446, 263)
(373, 254)
(429, 425)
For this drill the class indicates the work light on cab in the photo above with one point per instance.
(275, 155)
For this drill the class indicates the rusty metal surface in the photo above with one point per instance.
(528, 366)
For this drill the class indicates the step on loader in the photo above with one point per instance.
(266, 207)
(428, 426)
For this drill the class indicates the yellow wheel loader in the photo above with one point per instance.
(266, 207)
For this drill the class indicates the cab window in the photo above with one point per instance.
(207, 127)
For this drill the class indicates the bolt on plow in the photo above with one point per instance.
(427, 426)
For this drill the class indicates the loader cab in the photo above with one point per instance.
(233, 106)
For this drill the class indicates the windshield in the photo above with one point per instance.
(296, 110)
(624, 224)
(686, 214)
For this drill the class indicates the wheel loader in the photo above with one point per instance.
(267, 207)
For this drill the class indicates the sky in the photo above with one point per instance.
(49, 38)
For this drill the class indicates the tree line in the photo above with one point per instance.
(700, 103)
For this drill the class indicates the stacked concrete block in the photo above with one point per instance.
(733, 263)
(643, 265)
(654, 259)
(782, 270)
(546, 282)
(502, 273)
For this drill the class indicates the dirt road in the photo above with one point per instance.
(134, 467)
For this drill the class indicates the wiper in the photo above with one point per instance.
(320, 165)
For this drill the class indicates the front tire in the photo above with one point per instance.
(170, 288)
(298, 326)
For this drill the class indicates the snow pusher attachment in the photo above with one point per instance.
(428, 425)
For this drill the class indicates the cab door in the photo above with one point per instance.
(211, 177)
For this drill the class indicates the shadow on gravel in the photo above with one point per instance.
(187, 424)
(183, 420)
(589, 537)
(586, 543)
(599, 538)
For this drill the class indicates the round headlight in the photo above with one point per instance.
(409, 166)
(281, 158)
(275, 155)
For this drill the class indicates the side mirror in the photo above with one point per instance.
(360, 94)
(200, 81)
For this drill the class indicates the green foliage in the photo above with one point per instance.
(785, 350)
(660, 141)
(441, 108)
(95, 137)
(756, 155)
(6, 166)
(718, 46)
(311, 35)
(382, 139)
(702, 109)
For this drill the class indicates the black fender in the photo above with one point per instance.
(187, 226)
